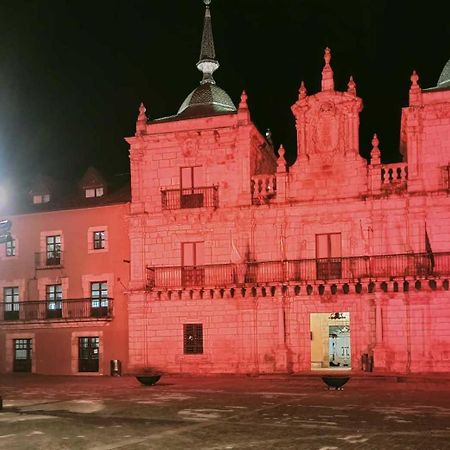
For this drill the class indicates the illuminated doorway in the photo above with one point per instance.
(330, 341)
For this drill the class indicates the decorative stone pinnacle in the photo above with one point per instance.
(375, 141)
(327, 55)
(142, 115)
(375, 152)
(207, 2)
(327, 72)
(414, 79)
(351, 86)
(302, 91)
(281, 161)
(243, 102)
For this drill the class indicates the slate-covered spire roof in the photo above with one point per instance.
(207, 62)
(207, 99)
(444, 79)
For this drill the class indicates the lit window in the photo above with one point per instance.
(11, 303)
(94, 192)
(193, 338)
(53, 294)
(99, 294)
(10, 248)
(53, 246)
(99, 240)
(38, 199)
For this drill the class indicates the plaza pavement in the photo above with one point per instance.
(224, 412)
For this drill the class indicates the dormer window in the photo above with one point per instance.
(41, 198)
(94, 192)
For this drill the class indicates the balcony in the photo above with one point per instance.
(56, 311)
(383, 267)
(49, 260)
(198, 197)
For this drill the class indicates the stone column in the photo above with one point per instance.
(379, 351)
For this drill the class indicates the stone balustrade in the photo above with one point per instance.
(394, 174)
(263, 188)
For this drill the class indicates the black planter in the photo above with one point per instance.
(335, 382)
(148, 380)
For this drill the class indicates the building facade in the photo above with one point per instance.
(242, 264)
(62, 281)
(228, 260)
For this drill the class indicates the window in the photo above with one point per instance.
(22, 355)
(99, 299)
(98, 240)
(94, 192)
(193, 338)
(192, 272)
(11, 303)
(191, 178)
(328, 256)
(41, 198)
(88, 354)
(53, 248)
(53, 294)
(10, 248)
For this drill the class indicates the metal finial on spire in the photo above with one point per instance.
(207, 63)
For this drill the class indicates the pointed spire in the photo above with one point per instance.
(142, 119)
(327, 72)
(207, 63)
(375, 154)
(351, 86)
(302, 92)
(281, 161)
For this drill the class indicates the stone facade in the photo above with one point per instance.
(249, 263)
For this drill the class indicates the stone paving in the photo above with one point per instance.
(223, 412)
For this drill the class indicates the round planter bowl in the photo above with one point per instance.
(148, 380)
(335, 382)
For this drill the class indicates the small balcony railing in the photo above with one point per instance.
(60, 310)
(49, 260)
(198, 197)
(302, 270)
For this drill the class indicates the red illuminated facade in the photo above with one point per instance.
(242, 264)
(62, 279)
(227, 260)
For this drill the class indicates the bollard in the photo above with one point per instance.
(116, 368)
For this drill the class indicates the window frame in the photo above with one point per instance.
(10, 248)
(193, 339)
(99, 243)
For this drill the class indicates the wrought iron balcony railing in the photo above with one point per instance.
(49, 260)
(302, 270)
(57, 310)
(198, 197)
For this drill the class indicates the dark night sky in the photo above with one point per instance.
(72, 73)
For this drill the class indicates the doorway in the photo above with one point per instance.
(88, 354)
(330, 341)
(22, 355)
